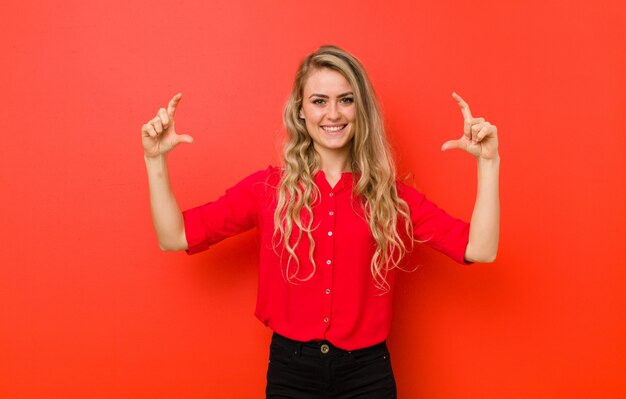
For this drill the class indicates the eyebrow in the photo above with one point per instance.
(325, 96)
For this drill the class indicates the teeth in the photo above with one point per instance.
(332, 128)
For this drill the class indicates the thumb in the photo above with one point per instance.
(452, 145)
(184, 138)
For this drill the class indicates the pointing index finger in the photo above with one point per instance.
(171, 107)
(465, 110)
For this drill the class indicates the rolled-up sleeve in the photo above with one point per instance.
(235, 212)
(434, 226)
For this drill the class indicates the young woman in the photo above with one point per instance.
(334, 225)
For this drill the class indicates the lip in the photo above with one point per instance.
(342, 125)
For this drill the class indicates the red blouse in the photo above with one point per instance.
(340, 303)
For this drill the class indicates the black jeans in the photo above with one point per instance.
(318, 370)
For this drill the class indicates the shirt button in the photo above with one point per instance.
(331, 213)
(325, 319)
(330, 233)
(324, 348)
(331, 194)
(328, 262)
(327, 291)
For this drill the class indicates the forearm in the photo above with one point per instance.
(485, 224)
(166, 215)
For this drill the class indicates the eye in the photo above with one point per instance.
(318, 101)
(348, 100)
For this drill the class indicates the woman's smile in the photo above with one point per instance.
(334, 129)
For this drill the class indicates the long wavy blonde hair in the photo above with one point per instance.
(372, 164)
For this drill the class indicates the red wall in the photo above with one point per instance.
(89, 306)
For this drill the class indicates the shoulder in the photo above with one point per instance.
(263, 179)
(270, 172)
(408, 193)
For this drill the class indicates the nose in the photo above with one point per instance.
(333, 111)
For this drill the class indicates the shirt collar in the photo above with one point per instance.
(345, 181)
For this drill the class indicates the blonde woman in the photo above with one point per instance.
(334, 225)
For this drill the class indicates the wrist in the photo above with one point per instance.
(495, 160)
(156, 163)
(154, 158)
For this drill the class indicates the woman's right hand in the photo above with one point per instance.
(158, 135)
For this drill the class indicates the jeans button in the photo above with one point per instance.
(325, 349)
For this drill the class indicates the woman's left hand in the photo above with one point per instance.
(480, 138)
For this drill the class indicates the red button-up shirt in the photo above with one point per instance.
(340, 303)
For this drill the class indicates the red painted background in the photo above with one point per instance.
(89, 306)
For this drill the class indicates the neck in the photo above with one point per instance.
(334, 163)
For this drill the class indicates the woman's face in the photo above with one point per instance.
(329, 111)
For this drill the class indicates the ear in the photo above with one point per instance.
(300, 114)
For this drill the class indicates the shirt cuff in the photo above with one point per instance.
(458, 251)
(194, 232)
